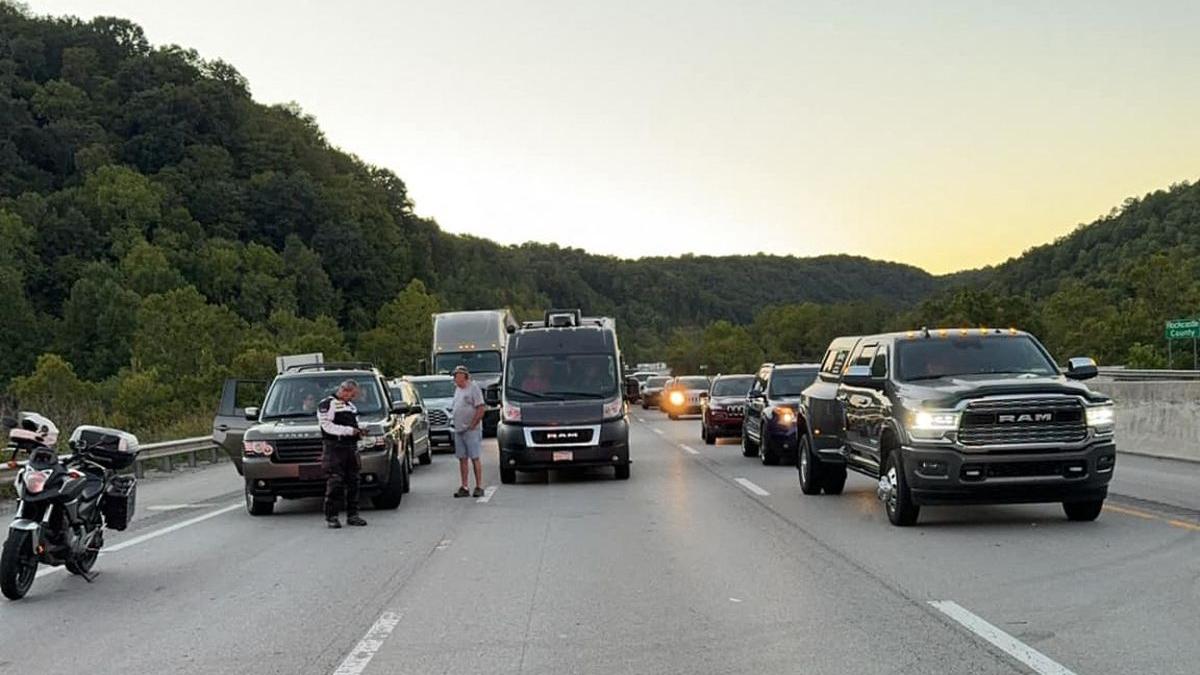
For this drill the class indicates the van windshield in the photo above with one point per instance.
(476, 362)
(299, 396)
(561, 377)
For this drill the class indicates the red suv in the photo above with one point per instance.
(724, 408)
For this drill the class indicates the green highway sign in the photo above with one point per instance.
(1183, 329)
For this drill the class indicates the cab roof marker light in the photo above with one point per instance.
(1012, 330)
(910, 334)
(983, 330)
(963, 331)
(943, 332)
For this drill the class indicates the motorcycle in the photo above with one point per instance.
(64, 504)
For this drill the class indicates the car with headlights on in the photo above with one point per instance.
(681, 396)
(723, 408)
(651, 391)
(959, 416)
(770, 428)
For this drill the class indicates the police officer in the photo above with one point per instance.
(339, 434)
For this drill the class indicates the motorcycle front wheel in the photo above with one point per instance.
(18, 566)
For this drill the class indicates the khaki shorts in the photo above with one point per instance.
(468, 444)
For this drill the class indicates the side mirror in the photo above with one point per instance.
(860, 376)
(401, 408)
(1082, 368)
(633, 389)
(252, 414)
(491, 395)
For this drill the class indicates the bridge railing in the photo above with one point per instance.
(165, 453)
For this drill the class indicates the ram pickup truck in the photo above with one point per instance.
(957, 416)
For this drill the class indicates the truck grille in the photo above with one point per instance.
(438, 418)
(567, 436)
(303, 451)
(1025, 421)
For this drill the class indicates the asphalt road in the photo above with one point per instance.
(703, 562)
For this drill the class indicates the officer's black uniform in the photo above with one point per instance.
(339, 424)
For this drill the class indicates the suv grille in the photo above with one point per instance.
(438, 418)
(1023, 421)
(301, 451)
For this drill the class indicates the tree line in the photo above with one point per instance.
(161, 231)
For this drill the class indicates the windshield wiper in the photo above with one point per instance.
(525, 392)
(578, 394)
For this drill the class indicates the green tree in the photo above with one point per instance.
(99, 320)
(54, 390)
(403, 332)
(729, 349)
(148, 271)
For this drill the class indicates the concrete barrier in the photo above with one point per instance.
(1161, 419)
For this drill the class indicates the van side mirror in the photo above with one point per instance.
(1082, 368)
(491, 395)
(860, 376)
(252, 414)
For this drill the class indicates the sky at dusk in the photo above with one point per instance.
(947, 135)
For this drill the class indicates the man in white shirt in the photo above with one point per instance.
(467, 414)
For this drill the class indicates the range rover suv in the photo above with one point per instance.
(277, 447)
(563, 402)
(955, 416)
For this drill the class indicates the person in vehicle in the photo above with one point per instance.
(340, 432)
(537, 378)
(467, 412)
(309, 402)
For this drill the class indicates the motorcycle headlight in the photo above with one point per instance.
(257, 448)
(614, 408)
(932, 423)
(35, 481)
(1101, 417)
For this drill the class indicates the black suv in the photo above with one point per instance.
(956, 416)
(769, 429)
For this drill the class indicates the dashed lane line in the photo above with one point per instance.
(360, 657)
(487, 494)
(689, 450)
(749, 485)
(657, 431)
(1035, 660)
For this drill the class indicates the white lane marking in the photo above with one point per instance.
(752, 487)
(150, 535)
(658, 431)
(640, 419)
(443, 545)
(487, 494)
(689, 450)
(172, 528)
(360, 657)
(176, 507)
(735, 599)
(1037, 661)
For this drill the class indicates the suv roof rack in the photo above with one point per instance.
(332, 365)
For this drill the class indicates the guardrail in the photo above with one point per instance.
(1138, 375)
(166, 453)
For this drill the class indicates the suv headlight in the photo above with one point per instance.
(372, 442)
(1101, 417)
(257, 448)
(614, 408)
(932, 423)
(676, 398)
(785, 417)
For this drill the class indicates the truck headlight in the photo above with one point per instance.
(1101, 417)
(932, 423)
(511, 412)
(614, 408)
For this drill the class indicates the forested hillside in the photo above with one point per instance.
(160, 231)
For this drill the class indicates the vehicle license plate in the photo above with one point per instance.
(564, 455)
(311, 472)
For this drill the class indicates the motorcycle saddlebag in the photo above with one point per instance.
(118, 502)
(111, 448)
